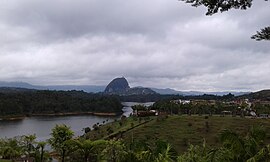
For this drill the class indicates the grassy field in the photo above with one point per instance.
(116, 128)
(180, 131)
(1, 160)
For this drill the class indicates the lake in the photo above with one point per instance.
(41, 126)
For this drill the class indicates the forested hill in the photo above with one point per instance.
(13, 90)
(18, 101)
(260, 95)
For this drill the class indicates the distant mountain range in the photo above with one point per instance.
(96, 89)
(86, 88)
(196, 93)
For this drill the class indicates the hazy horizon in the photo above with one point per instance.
(104, 86)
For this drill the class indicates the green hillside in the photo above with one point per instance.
(180, 131)
(260, 95)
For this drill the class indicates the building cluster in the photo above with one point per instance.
(237, 107)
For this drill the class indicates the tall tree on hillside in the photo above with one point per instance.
(28, 144)
(114, 151)
(87, 149)
(41, 145)
(60, 135)
(214, 6)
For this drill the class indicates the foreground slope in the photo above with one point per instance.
(180, 131)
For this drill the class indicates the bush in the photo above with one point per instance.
(87, 129)
(95, 127)
(120, 123)
(109, 130)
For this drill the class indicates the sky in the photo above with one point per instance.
(153, 43)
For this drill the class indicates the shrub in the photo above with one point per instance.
(120, 123)
(87, 129)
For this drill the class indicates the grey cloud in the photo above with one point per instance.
(157, 43)
(58, 19)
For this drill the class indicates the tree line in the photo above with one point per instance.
(31, 102)
(202, 107)
(209, 107)
(158, 97)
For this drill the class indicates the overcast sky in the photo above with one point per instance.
(153, 43)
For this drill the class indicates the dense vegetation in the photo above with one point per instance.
(210, 104)
(31, 102)
(144, 98)
(178, 130)
(158, 97)
(260, 95)
(196, 107)
(227, 143)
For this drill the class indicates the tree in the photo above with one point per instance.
(88, 149)
(11, 148)
(214, 6)
(264, 34)
(28, 144)
(41, 145)
(9, 152)
(60, 135)
(114, 151)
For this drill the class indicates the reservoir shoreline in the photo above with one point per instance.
(42, 124)
(21, 117)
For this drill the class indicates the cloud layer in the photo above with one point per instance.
(154, 43)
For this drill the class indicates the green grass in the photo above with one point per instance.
(2, 160)
(180, 131)
(116, 127)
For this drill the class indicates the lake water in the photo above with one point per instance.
(41, 126)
